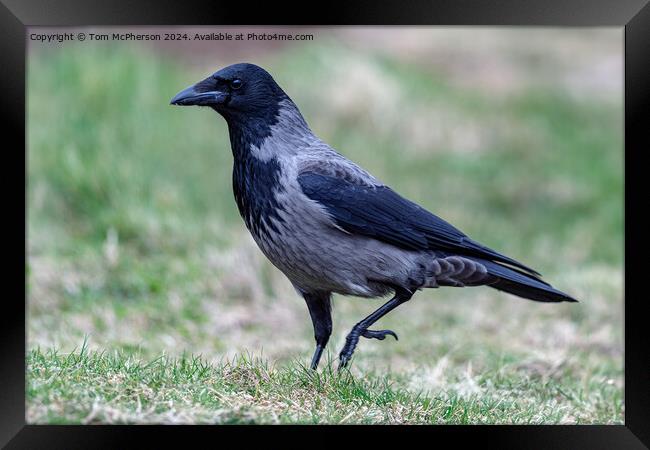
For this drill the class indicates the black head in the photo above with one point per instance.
(237, 91)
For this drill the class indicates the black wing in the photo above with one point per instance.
(381, 213)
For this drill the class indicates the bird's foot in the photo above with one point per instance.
(316, 358)
(352, 340)
(379, 334)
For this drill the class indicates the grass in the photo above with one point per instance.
(97, 387)
(138, 261)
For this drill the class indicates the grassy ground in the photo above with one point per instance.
(94, 387)
(147, 297)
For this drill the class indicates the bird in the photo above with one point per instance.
(329, 225)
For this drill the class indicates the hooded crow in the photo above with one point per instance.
(332, 227)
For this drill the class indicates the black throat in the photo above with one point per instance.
(255, 182)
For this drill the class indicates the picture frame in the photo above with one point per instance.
(632, 15)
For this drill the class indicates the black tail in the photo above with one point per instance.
(517, 282)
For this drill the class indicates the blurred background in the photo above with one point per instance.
(514, 135)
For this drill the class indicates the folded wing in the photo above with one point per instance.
(379, 212)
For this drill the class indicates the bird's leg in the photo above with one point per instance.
(361, 329)
(320, 310)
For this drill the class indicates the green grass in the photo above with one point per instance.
(136, 249)
(91, 387)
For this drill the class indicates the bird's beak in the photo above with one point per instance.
(190, 96)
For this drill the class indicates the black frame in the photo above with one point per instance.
(633, 15)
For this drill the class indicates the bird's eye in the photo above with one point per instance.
(236, 83)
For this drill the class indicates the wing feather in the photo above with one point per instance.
(379, 212)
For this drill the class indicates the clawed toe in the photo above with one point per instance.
(344, 359)
(379, 334)
(353, 339)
